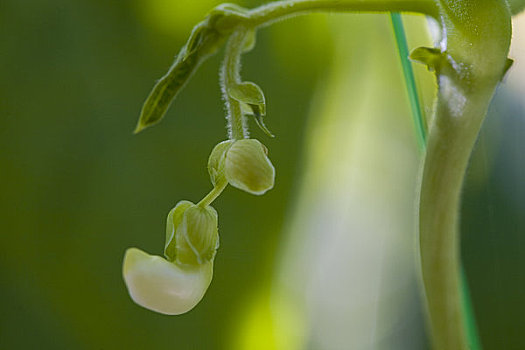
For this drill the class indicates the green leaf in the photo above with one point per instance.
(431, 57)
(165, 91)
(252, 102)
(250, 94)
(204, 41)
(260, 123)
(195, 40)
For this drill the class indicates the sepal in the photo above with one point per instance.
(248, 167)
(191, 234)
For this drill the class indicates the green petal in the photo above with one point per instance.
(174, 220)
(196, 237)
(248, 167)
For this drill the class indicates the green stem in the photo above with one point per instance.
(417, 116)
(278, 10)
(449, 146)
(214, 193)
(477, 38)
(230, 76)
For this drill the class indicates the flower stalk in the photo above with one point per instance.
(278, 10)
(213, 194)
(230, 77)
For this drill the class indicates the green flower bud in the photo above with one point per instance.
(159, 285)
(217, 161)
(244, 164)
(191, 234)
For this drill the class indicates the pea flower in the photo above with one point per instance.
(175, 285)
(243, 164)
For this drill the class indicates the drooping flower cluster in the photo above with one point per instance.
(175, 284)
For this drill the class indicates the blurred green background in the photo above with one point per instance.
(77, 188)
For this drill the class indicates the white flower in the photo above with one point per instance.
(162, 286)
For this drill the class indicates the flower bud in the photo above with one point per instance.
(217, 161)
(191, 234)
(159, 285)
(244, 164)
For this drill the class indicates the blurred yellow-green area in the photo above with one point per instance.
(326, 260)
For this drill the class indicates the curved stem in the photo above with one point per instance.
(450, 143)
(214, 193)
(230, 76)
(419, 124)
(465, 90)
(279, 10)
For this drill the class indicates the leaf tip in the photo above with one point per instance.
(139, 127)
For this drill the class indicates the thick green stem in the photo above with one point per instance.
(450, 144)
(477, 37)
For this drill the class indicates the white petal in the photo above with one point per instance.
(162, 286)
